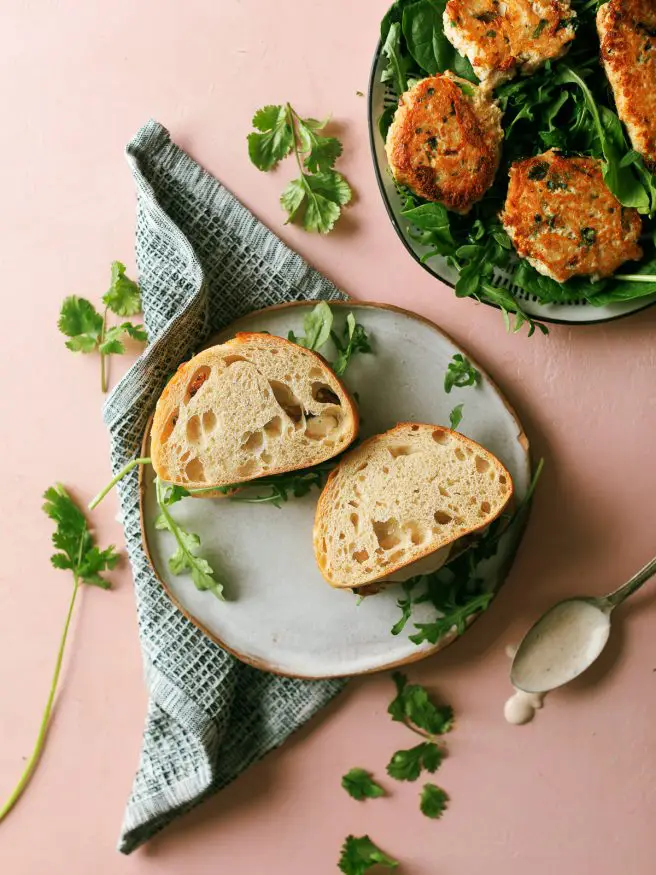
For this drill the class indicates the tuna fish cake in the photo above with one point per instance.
(564, 221)
(627, 31)
(445, 141)
(501, 37)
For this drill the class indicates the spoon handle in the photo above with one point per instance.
(628, 588)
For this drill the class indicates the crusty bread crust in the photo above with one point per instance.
(401, 496)
(255, 406)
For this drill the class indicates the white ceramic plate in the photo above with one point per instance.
(280, 614)
(581, 311)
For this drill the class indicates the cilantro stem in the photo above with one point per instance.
(144, 460)
(636, 277)
(45, 720)
(103, 369)
(291, 119)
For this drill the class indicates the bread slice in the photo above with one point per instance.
(401, 496)
(254, 406)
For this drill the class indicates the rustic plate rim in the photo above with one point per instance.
(444, 642)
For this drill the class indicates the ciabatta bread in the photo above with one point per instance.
(255, 406)
(401, 496)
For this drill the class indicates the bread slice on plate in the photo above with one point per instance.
(405, 497)
(255, 406)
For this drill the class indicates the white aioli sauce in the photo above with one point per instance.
(567, 640)
(427, 565)
(521, 707)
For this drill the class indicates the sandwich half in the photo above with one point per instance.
(395, 505)
(255, 406)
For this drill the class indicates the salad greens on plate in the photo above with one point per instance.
(566, 105)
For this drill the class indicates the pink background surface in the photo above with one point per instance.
(575, 792)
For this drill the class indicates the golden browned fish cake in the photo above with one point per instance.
(564, 221)
(501, 37)
(627, 31)
(445, 141)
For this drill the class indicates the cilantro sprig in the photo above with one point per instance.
(359, 854)
(318, 328)
(87, 329)
(77, 553)
(360, 784)
(317, 196)
(413, 707)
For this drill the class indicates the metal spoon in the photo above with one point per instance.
(569, 637)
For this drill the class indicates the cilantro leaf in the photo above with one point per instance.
(355, 340)
(460, 373)
(112, 344)
(184, 558)
(359, 784)
(322, 151)
(359, 854)
(275, 142)
(406, 765)
(455, 417)
(123, 296)
(76, 553)
(412, 706)
(80, 321)
(321, 196)
(433, 801)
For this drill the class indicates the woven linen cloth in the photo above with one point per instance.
(203, 261)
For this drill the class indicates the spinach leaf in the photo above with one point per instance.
(423, 30)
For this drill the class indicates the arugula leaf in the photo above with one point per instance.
(355, 340)
(433, 801)
(413, 707)
(397, 68)
(359, 854)
(406, 765)
(276, 139)
(359, 784)
(76, 552)
(184, 558)
(123, 296)
(455, 417)
(460, 373)
(317, 196)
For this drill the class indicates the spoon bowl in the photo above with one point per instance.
(561, 645)
(569, 638)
